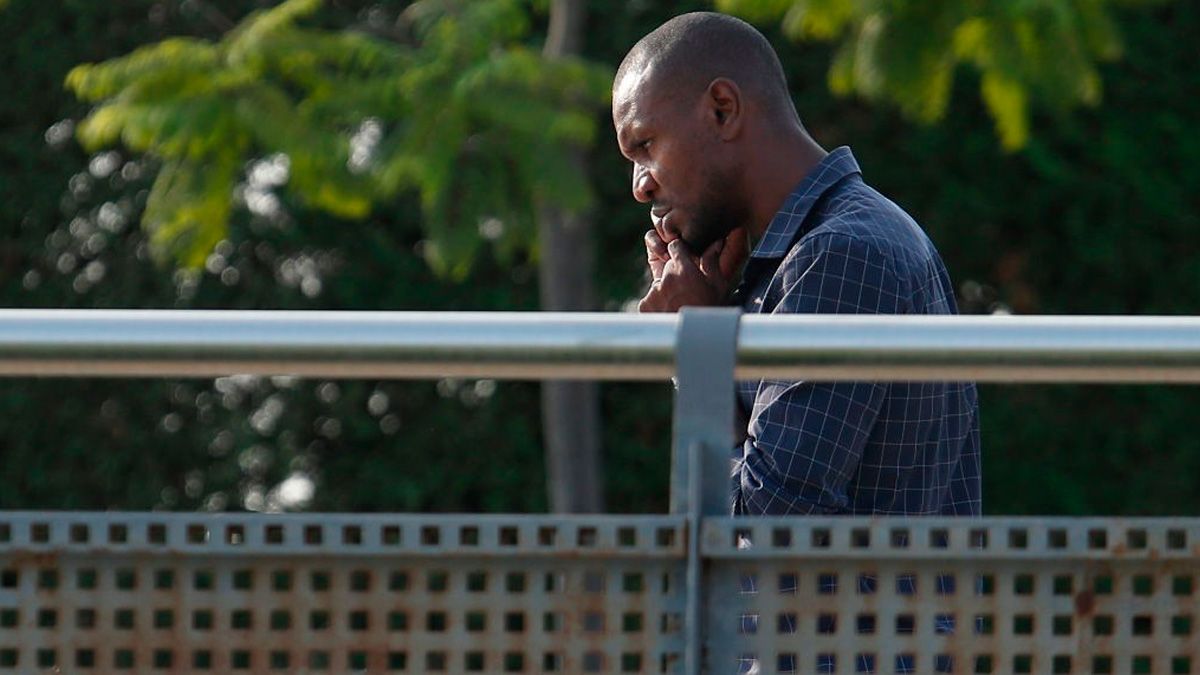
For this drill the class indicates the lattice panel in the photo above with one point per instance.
(952, 596)
(103, 593)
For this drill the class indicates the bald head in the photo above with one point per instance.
(681, 57)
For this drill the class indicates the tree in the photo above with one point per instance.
(1095, 215)
(484, 129)
(479, 125)
(570, 410)
(906, 53)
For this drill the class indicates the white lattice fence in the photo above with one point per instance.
(324, 593)
(174, 593)
(952, 595)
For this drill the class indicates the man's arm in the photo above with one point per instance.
(805, 439)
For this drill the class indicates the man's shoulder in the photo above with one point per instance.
(858, 211)
(858, 216)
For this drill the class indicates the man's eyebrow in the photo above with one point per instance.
(625, 140)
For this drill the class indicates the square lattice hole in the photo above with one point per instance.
(789, 582)
(47, 580)
(632, 582)
(939, 537)
(1182, 585)
(1176, 539)
(587, 537)
(1143, 584)
(1135, 539)
(781, 537)
(243, 580)
(821, 537)
(360, 581)
(85, 618)
(864, 624)
(1023, 624)
(319, 580)
(241, 619)
(1018, 538)
(1063, 624)
(860, 537)
(1023, 584)
(398, 581)
(664, 537)
(164, 579)
(827, 583)
(1142, 625)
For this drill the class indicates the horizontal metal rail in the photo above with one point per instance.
(538, 345)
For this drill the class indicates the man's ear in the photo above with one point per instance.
(724, 102)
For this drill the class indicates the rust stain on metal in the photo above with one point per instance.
(1085, 603)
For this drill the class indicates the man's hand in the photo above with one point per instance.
(680, 280)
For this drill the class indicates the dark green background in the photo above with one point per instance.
(1098, 215)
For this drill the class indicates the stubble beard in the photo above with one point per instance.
(718, 212)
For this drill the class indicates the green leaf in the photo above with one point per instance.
(1006, 101)
(474, 122)
(906, 52)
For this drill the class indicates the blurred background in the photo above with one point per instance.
(458, 155)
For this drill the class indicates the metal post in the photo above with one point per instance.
(706, 349)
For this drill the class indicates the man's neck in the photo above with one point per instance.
(776, 173)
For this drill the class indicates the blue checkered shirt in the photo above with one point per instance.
(839, 247)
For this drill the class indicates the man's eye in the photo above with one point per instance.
(644, 145)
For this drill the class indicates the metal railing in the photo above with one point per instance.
(693, 591)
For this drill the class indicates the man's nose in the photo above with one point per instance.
(644, 185)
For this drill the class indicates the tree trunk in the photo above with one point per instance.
(570, 410)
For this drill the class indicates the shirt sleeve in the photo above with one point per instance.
(805, 439)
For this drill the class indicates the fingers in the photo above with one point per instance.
(734, 254)
(710, 259)
(682, 282)
(680, 258)
(655, 246)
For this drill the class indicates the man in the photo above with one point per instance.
(748, 209)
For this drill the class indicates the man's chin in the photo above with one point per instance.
(696, 246)
(693, 248)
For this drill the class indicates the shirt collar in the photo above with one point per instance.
(784, 226)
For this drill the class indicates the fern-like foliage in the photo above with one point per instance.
(479, 125)
(905, 52)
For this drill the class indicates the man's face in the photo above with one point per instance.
(678, 165)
